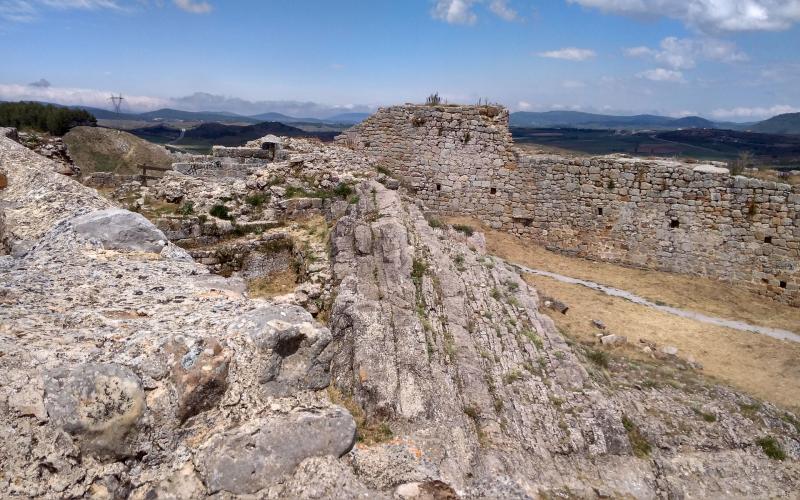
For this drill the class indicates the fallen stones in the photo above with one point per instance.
(598, 324)
(98, 403)
(613, 340)
(199, 373)
(118, 229)
(555, 305)
(257, 454)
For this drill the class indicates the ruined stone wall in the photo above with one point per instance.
(655, 214)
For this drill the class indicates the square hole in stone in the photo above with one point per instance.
(768, 239)
(675, 223)
(783, 284)
(438, 187)
(599, 210)
(493, 190)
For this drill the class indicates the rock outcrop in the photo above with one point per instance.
(128, 370)
(447, 347)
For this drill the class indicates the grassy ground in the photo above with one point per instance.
(764, 367)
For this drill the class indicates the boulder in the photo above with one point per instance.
(256, 455)
(98, 403)
(295, 348)
(118, 229)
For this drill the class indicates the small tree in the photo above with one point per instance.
(433, 100)
(745, 160)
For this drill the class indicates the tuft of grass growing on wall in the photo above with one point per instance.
(772, 448)
(639, 444)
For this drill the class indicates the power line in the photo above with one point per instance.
(116, 101)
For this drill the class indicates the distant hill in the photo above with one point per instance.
(97, 149)
(348, 118)
(210, 134)
(576, 119)
(692, 122)
(280, 117)
(788, 123)
(194, 116)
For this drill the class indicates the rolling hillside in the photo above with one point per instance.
(575, 119)
(782, 124)
(97, 149)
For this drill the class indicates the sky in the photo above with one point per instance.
(727, 60)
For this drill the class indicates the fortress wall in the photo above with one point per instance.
(655, 214)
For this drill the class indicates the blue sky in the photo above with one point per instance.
(723, 59)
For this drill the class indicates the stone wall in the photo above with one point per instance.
(656, 214)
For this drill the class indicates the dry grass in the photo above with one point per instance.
(703, 295)
(274, 285)
(764, 367)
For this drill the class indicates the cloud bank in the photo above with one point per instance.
(199, 101)
(709, 15)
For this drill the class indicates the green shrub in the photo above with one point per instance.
(187, 208)
(220, 211)
(435, 223)
(462, 228)
(343, 190)
(256, 200)
(772, 448)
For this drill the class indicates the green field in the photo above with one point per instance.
(702, 144)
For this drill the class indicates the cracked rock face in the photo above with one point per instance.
(255, 455)
(448, 348)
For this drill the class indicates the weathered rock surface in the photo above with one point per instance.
(123, 362)
(128, 371)
(448, 349)
(99, 402)
(118, 229)
(255, 456)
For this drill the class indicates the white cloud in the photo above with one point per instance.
(524, 105)
(683, 53)
(569, 54)
(462, 11)
(194, 6)
(28, 10)
(753, 113)
(661, 75)
(501, 9)
(199, 101)
(710, 15)
(455, 11)
(75, 96)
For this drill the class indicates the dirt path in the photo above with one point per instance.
(775, 333)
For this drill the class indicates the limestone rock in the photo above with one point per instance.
(250, 458)
(200, 373)
(118, 229)
(294, 346)
(99, 403)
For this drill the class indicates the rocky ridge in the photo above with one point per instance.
(128, 370)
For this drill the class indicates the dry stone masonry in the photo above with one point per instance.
(656, 214)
